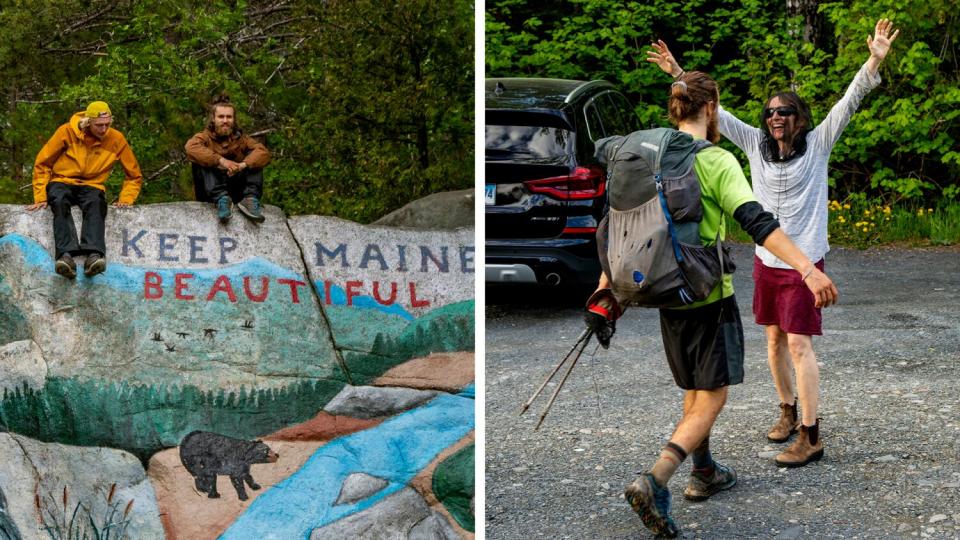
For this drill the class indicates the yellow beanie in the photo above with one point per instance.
(97, 109)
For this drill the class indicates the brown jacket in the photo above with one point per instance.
(205, 150)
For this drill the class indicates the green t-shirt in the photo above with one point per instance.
(723, 188)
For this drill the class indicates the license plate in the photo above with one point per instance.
(490, 194)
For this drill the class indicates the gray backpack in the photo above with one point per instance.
(649, 241)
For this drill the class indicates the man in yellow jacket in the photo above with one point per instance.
(71, 170)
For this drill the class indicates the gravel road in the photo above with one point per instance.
(890, 377)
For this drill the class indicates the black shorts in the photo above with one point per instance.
(701, 354)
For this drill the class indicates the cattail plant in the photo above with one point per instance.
(81, 523)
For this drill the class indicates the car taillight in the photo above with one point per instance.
(582, 183)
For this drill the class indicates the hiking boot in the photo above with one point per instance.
(66, 267)
(95, 264)
(250, 207)
(701, 487)
(223, 209)
(807, 448)
(652, 503)
(787, 424)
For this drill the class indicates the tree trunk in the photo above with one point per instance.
(812, 21)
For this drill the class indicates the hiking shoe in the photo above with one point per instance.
(701, 488)
(223, 209)
(806, 449)
(652, 503)
(787, 424)
(250, 207)
(95, 264)
(66, 267)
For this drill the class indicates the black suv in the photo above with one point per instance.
(545, 192)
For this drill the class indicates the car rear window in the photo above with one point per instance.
(530, 134)
(532, 141)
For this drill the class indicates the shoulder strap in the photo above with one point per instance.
(658, 179)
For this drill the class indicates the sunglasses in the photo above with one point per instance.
(782, 111)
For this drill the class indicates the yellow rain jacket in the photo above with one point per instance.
(76, 158)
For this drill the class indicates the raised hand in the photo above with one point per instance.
(662, 57)
(880, 43)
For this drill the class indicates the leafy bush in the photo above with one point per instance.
(365, 105)
(901, 145)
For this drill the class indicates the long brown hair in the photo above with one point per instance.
(796, 144)
(689, 94)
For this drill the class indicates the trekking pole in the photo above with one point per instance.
(584, 336)
(563, 380)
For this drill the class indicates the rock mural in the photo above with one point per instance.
(294, 379)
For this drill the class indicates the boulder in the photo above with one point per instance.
(359, 486)
(61, 478)
(184, 299)
(400, 515)
(445, 210)
(372, 402)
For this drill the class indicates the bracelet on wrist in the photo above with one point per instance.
(678, 75)
(810, 271)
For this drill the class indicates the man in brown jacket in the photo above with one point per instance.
(228, 165)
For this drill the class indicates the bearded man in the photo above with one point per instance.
(227, 164)
(71, 169)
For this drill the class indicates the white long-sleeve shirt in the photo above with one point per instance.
(795, 191)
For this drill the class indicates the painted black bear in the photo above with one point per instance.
(206, 455)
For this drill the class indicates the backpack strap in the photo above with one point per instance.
(658, 179)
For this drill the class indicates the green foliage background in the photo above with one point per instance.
(901, 146)
(365, 105)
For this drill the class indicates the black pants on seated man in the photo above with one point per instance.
(61, 198)
(92, 202)
(211, 183)
(244, 189)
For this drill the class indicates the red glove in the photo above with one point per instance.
(603, 310)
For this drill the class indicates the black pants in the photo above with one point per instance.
(92, 202)
(211, 183)
(704, 345)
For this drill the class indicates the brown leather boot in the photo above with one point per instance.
(807, 448)
(787, 424)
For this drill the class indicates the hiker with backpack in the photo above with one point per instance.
(659, 247)
(788, 163)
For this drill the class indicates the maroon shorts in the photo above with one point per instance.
(781, 298)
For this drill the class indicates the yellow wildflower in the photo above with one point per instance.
(846, 206)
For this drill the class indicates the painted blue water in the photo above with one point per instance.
(131, 278)
(338, 297)
(395, 450)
